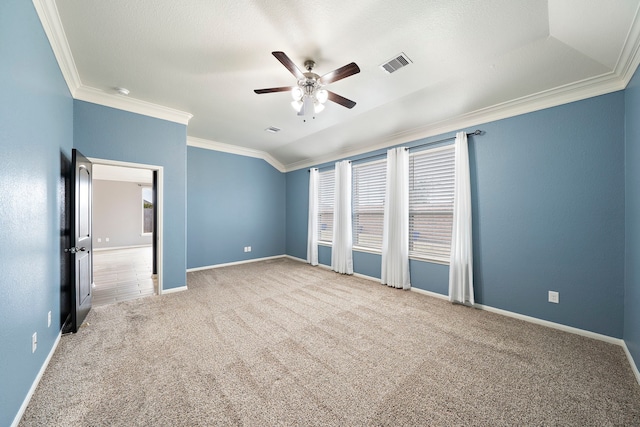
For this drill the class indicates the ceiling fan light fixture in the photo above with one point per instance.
(309, 95)
(296, 94)
(297, 105)
(322, 96)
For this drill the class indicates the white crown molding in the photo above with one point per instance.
(629, 58)
(585, 89)
(52, 25)
(617, 80)
(234, 149)
(97, 96)
(50, 19)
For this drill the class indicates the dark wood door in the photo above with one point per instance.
(82, 249)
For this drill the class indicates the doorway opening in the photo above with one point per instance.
(127, 235)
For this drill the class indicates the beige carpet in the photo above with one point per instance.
(280, 343)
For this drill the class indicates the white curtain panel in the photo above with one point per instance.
(341, 253)
(395, 234)
(461, 264)
(312, 229)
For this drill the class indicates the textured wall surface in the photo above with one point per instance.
(110, 134)
(632, 217)
(233, 202)
(36, 134)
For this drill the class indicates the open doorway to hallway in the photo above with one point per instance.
(127, 237)
(122, 274)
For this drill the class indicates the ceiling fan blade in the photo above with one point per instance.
(339, 74)
(341, 100)
(274, 89)
(284, 59)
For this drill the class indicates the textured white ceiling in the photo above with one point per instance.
(205, 57)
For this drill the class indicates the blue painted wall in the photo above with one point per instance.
(233, 201)
(548, 200)
(106, 133)
(297, 208)
(36, 116)
(632, 217)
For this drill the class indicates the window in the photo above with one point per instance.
(369, 182)
(326, 190)
(147, 210)
(431, 181)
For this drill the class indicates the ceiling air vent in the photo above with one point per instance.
(396, 63)
(272, 129)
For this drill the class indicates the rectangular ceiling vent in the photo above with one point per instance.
(396, 63)
(272, 129)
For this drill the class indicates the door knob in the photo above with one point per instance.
(75, 249)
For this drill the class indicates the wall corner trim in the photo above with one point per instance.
(235, 149)
(36, 381)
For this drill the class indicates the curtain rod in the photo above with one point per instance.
(475, 132)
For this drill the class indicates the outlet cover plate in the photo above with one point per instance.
(554, 297)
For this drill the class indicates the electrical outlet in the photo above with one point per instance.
(49, 319)
(34, 342)
(554, 297)
(248, 248)
(245, 249)
(106, 239)
(99, 239)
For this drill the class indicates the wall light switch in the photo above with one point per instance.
(106, 239)
(99, 239)
(554, 297)
(248, 248)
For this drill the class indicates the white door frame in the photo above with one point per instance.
(159, 205)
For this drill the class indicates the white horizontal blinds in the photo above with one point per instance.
(326, 189)
(368, 203)
(431, 182)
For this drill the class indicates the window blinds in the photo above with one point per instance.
(431, 183)
(326, 189)
(368, 203)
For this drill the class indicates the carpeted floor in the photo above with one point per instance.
(280, 343)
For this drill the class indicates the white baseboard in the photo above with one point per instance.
(209, 267)
(174, 290)
(328, 267)
(553, 325)
(634, 367)
(292, 258)
(32, 390)
(430, 293)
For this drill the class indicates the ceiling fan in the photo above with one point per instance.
(309, 95)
